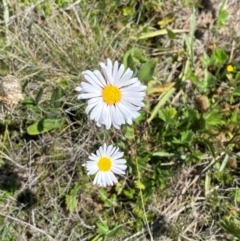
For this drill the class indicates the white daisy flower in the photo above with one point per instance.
(105, 163)
(114, 97)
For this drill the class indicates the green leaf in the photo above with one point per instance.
(171, 34)
(209, 145)
(161, 32)
(71, 203)
(56, 97)
(234, 117)
(29, 103)
(222, 17)
(39, 95)
(97, 238)
(146, 71)
(207, 61)
(139, 185)
(237, 195)
(116, 231)
(236, 91)
(129, 63)
(71, 199)
(103, 194)
(232, 227)
(141, 118)
(102, 228)
(137, 57)
(167, 114)
(128, 11)
(108, 202)
(44, 126)
(64, 84)
(207, 82)
(163, 154)
(130, 194)
(186, 137)
(224, 163)
(164, 98)
(220, 56)
(213, 118)
(129, 133)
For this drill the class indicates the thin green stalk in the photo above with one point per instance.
(143, 207)
(189, 45)
(6, 21)
(3, 143)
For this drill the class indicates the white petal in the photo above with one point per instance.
(108, 74)
(125, 78)
(113, 177)
(126, 112)
(115, 70)
(110, 149)
(119, 74)
(88, 95)
(103, 179)
(93, 157)
(135, 95)
(129, 82)
(120, 162)
(130, 107)
(96, 179)
(134, 102)
(91, 78)
(118, 171)
(100, 77)
(116, 126)
(90, 106)
(119, 115)
(117, 155)
(96, 111)
(78, 88)
(104, 150)
(109, 64)
(106, 116)
(108, 178)
(115, 116)
(95, 100)
(91, 88)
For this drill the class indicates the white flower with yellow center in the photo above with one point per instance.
(114, 97)
(105, 163)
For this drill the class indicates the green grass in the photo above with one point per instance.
(182, 152)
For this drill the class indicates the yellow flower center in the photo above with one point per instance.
(111, 94)
(104, 164)
(230, 68)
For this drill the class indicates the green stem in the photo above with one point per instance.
(142, 201)
(6, 21)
